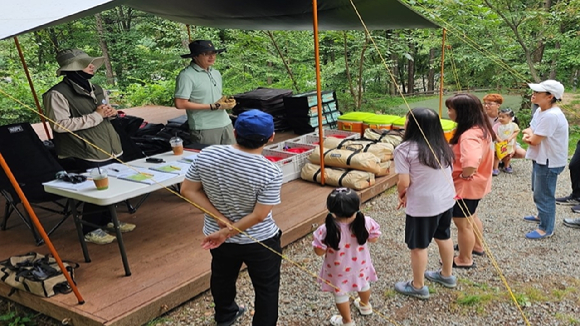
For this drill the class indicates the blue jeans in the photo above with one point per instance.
(544, 181)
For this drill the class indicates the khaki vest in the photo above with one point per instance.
(102, 135)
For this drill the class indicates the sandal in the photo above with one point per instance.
(363, 309)
(336, 320)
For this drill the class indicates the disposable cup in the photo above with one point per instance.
(102, 183)
(176, 145)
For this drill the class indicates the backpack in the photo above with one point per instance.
(36, 273)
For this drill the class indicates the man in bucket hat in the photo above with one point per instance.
(198, 90)
(77, 105)
(244, 202)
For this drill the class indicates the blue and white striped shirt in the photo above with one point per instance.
(234, 181)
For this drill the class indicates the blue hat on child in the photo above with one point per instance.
(255, 124)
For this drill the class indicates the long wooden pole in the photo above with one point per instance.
(31, 84)
(39, 228)
(441, 76)
(318, 88)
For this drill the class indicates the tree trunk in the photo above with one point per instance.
(105, 50)
(431, 77)
(347, 69)
(395, 60)
(411, 70)
(360, 73)
(53, 37)
(554, 63)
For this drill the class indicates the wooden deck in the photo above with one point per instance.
(169, 267)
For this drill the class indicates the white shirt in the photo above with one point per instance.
(552, 150)
(431, 191)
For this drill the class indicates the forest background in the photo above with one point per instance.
(494, 45)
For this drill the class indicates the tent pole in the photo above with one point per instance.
(38, 107)
(318, 88)
(441, 77)
(39, 227)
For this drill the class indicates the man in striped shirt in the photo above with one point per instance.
(239, 186)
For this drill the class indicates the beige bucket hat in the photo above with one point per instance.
(75, 59)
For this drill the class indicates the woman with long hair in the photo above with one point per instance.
(423, 161)
(472, 169)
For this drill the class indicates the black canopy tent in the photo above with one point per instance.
(29, 15)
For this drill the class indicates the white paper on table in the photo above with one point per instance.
(173, 167)
(115, 169)
(147, 176)
(188, 159)
(71, 186)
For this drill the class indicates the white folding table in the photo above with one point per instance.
(119, 190)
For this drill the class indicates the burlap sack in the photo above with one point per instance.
(354, 179)
(394, 137)
(383, 151)
(342, 158)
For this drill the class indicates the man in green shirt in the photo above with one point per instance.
(198, 90)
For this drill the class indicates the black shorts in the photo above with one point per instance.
(460, 209)
(419, 231)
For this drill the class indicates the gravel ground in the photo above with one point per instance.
(541, 274)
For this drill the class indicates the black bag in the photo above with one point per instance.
(36, 273)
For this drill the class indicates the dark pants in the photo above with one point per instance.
(575, 171)
(264, 270)
(94, 214)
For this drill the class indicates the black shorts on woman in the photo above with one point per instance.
(465, 207)
(419, 231)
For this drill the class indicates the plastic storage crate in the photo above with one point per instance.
(289, 163)
(339, 134)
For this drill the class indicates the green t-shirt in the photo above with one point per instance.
(203, 87)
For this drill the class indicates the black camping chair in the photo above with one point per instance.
(32, 164)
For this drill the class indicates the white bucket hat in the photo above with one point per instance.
(75, 60)
(551, 86)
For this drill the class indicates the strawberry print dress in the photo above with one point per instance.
(350, 268)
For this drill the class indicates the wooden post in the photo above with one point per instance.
(38, 107)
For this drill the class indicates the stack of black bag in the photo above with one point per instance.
(269, 100)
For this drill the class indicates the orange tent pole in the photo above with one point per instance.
(39, 227)
(442, 78)
(25, 66)
(318, 88)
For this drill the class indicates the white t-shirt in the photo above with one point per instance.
(553, 149)
(431, 191)
(234, 181)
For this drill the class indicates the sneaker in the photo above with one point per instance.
(125, 227)
(508, 170)
(407, 288)
(446, 281)
(99, 236)
(495, 173)
(576, 209)
(568, 201)
(572, 222)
